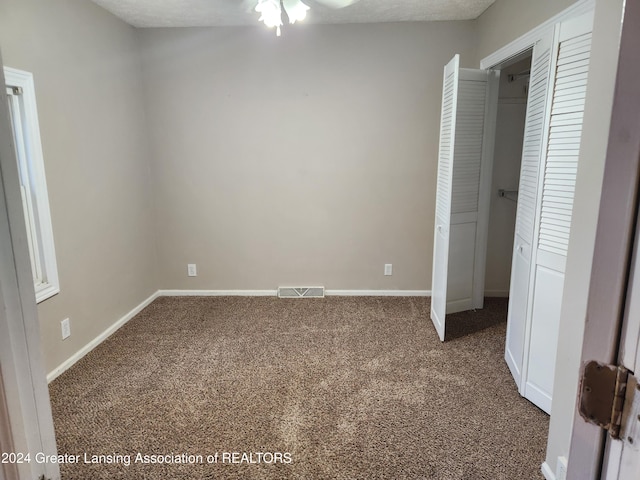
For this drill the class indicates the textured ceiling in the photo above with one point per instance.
(201, 13)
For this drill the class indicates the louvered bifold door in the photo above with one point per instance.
(555, 205)
(458, 199)
(443, 196)
(537, 105)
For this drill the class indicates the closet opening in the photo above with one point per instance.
(513, 92)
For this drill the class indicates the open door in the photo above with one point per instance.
(612, 332)
(26, 423)
(622, 456)
(462, 200)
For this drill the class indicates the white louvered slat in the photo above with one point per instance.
(563, 147)
(532, 145)
(443, 204)
(468, 147)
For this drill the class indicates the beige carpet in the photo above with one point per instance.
(344, 388)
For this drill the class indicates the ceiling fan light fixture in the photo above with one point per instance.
(270, 13)
(296, 10)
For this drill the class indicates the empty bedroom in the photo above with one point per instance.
(223, 237)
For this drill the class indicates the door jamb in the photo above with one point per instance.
(484, 194)
(614, 239)
(8, 470)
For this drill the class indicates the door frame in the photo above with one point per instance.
(528, 40)
(7, 471)
(614, 240)
(24, 385)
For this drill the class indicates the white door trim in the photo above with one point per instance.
(7, 470)
(527, 40)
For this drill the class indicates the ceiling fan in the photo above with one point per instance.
(271, 10)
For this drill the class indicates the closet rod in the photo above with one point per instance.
(517, 76)
(508, 194)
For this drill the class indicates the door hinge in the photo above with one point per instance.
(602, 395)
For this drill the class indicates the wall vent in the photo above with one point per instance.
(301, 292)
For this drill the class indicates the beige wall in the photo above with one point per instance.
(595, 137)
(506, 20)
(305, 159)
(87, 76)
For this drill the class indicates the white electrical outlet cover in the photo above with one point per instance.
(66, 328)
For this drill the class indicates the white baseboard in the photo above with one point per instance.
(546, 471)
(497, 293)
(377, 293)
(273, 293)
(217, 293)
(64, 366)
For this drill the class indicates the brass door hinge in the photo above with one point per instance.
(602, 395)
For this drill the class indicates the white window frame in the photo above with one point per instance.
(34, 184)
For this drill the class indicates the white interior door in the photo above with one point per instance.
(527, 201)
(461, 202)
(554, 207)
(614, 273)
(27, 423)
(622, 457)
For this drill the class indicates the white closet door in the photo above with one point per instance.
(555, 205)
(457, 236)
(527, 201)
(443, 195)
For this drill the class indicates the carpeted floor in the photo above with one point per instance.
(341, 388)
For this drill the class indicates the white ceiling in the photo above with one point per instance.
(201, 13)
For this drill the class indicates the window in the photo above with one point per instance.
(35, 201)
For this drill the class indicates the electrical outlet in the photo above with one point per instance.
(388, 269)
(561, 469)
(191, 270)
(65, 325)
